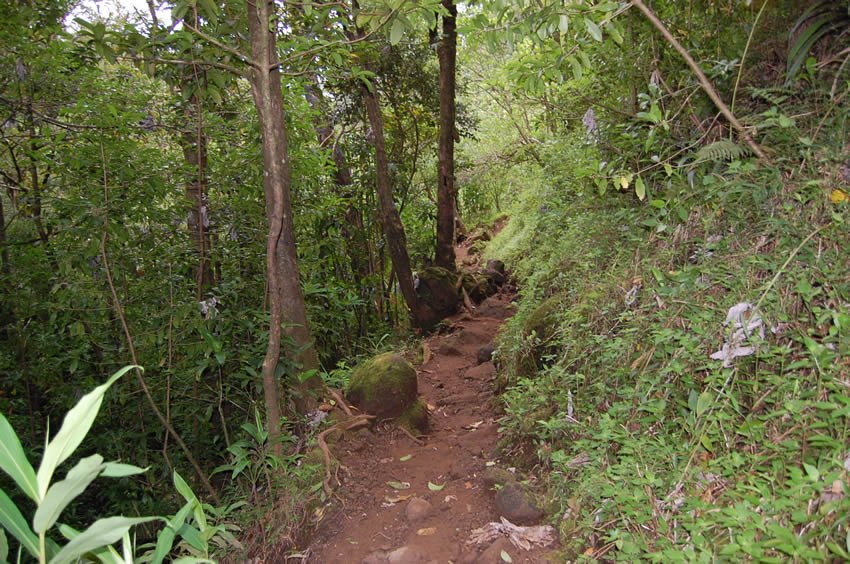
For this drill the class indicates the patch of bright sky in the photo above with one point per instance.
(132, 10)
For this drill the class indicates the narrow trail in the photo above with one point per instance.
(374, 522)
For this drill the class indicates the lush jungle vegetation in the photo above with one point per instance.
(241, 200)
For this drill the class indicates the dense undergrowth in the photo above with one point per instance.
(646, 447)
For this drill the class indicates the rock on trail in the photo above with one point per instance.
(405, 502)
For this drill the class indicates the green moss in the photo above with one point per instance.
(415, 419)
(384, 386)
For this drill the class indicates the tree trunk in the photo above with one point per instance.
(352, 229)
(194, 144)
(446, 196)
(286, 299)
(389, 216)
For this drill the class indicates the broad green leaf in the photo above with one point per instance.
(564, 23)
(74, 429)
(14, 462)
(703, 403)
(106, 555)
(165, 539)
(615, 34)
(640, 189)
(102, 532)
(189, 495)
(578, 72)
(14, 522)
(812, 472)
(396, 32)
(593, 29)
(64, 492)
(119, 470)
(4, 546)
(193, 560)
(192, 536)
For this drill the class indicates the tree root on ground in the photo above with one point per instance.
(346, 425)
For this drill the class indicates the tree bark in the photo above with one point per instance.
(194, 143)
(446, 195)
(389, 216)
(285, 296)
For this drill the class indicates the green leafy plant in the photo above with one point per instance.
(820, 19)
(51, 498)
(252, 458)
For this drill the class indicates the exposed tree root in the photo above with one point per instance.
(346, 425)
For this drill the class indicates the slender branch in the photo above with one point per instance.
(235, 52)
(119, 311)
(703, 80)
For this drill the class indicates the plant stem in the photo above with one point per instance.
(703, 80)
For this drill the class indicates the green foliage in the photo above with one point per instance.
(51, 498)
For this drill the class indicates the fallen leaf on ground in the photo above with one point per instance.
(473, 426)
(398, 485)
(467, 485)
(396, 499)
(435, 487)
(427, 532)
(449, 498)
(405, 458)
(521, 537)
(505, 557)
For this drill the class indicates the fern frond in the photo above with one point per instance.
(722, 150)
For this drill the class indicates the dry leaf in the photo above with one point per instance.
(427, 532)
(837, 196)
(521, 537)
(426, 353)
(473, 426)
(396, 499)
(467, 485)
(398, 485)
(450, 498)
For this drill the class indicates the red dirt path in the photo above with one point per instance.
(463, 433)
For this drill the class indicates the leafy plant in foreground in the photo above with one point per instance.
(51, 498)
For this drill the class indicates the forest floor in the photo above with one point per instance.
(377, 519)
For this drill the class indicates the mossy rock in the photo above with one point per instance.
(384, 386)
(439, 296)
(415, 419)
(477, 287)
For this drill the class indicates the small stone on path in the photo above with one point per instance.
(516, 505)
(417, 509)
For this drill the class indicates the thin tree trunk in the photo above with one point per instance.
(194, 142)
(286, 298)
(389, 216)
(4, 248)
(447, 55)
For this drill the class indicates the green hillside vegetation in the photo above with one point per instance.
(250, 224)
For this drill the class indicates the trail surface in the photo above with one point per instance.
(375, 522)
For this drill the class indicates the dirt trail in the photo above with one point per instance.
(372, 519)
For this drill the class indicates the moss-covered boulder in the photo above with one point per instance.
(439, 295)
(477, 287)
(384, 386)
(415, 419)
